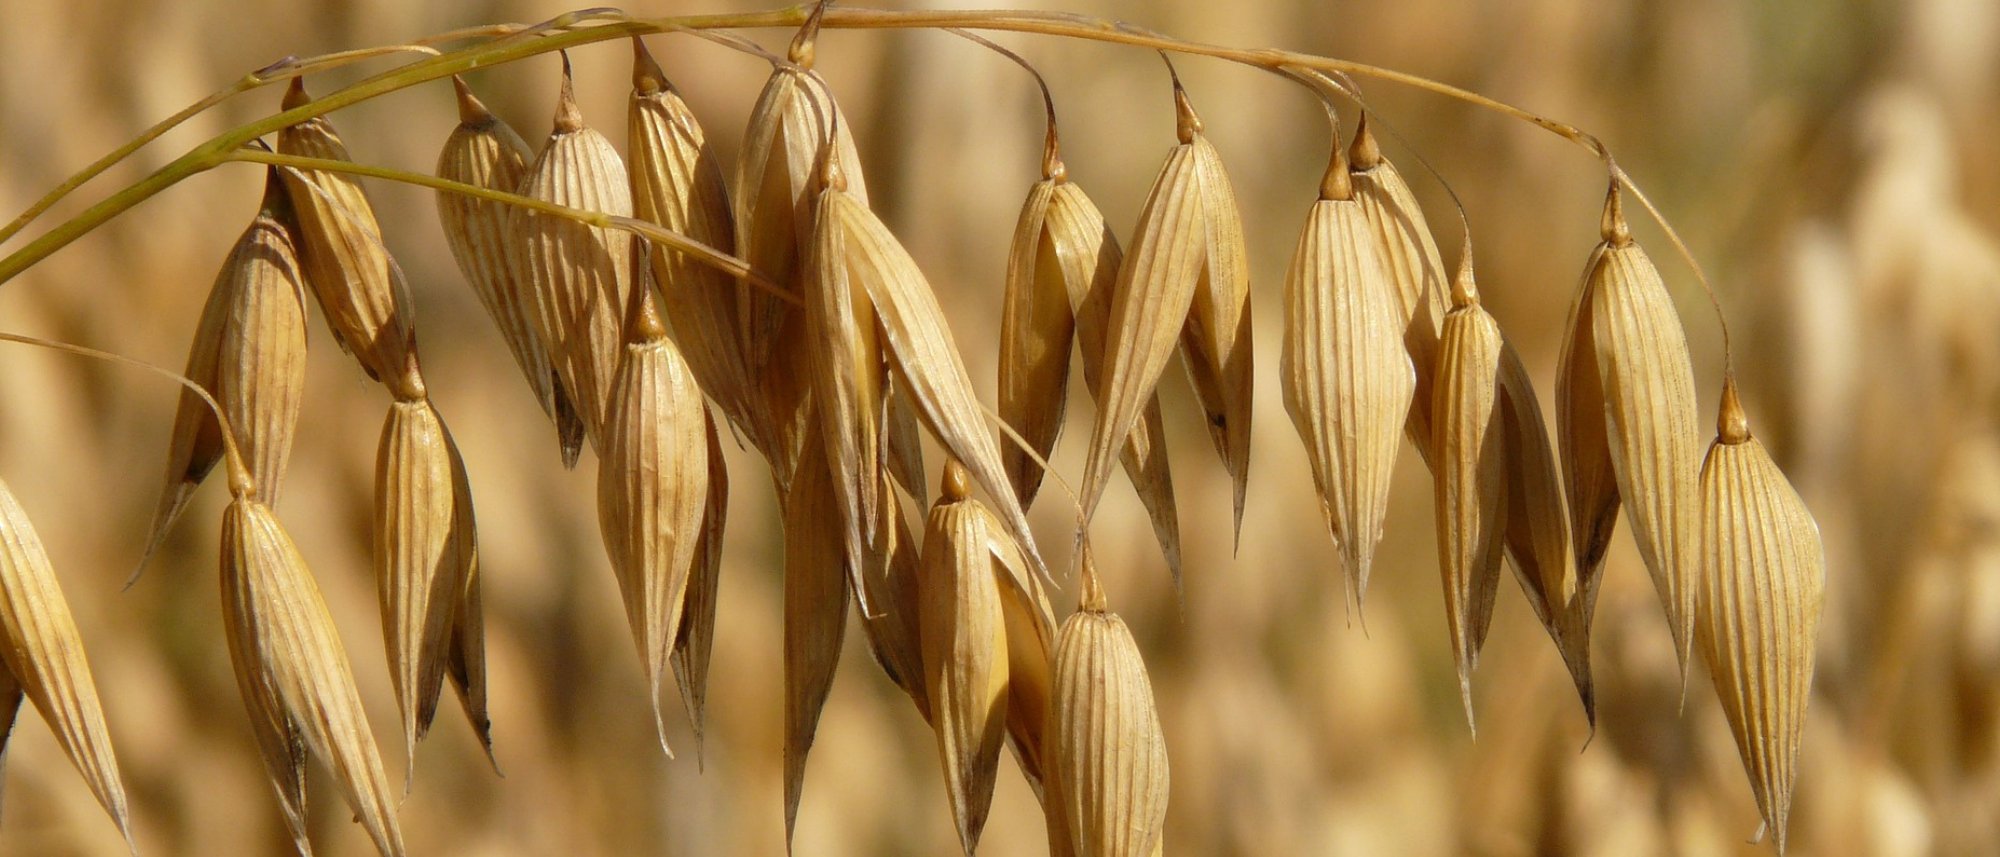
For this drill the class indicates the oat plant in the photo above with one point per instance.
(665, 297)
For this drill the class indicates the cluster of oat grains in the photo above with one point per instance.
(635, 299)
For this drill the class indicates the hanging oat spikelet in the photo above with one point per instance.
(1763, 580)
(652, 487)
(1536, 528)
(677, 183)
(1090, 260)
(485, 152)
(1108, 759)
(249, 353)
(43, 658)
(1149, 306)
(579, 275)
(294, 673)
(815, 613)
(1469, 453)
(1410, 260)
(1583, 437)
(695, 639)
(964, 634)
(1031, 642)
(1216, 340)
(465, 659)
(922, 355)
(360, 290)
(904, 453)
(1347, 379)
(893, 631)
(777, 182)
(1036, 326)
(1648, 388)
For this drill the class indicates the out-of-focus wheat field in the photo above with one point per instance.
(1830, 164)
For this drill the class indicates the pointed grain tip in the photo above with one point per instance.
(295, 95)
(1365, 153)
(1615, 231)
(1187, 125)
(470, 110)
(956, 484)
(569, 117)
(1731, 424)
(647, 78)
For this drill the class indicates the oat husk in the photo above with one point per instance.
(1036, 328)
(295, 677)
(652, 488)
(249, 353)
(893, 631)
(816, 599)
(695, 640)
(485, 152)
(579, 275)
(1763, 581)
(1346, 378)
(465, 657)
(424, 551)
(44, 660)
(1469, 455)
(360, 290)
(1216, 340)
(1108, 758)
(1410, 260)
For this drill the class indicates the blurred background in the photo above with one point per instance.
(1829, 162)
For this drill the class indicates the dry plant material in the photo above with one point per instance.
(1469, 453)
(1108, 758)
(579, 275)
(465, 659)
(652, 488)
(249, 352)
(1410, 260)
(1641, 396)
(43, 658)
(1347, 380)
(360, 289)
(894, 631)
(1037, 325)
(1763, 582)
(677, 183)
(1182, 249)
(485, 152)
(694, 641)
(816, 598)
(294, 674)
(425, 551)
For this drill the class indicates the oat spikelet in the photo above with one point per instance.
(1469, 454)
(1583, 438)
(695, 640)
(43, 657)
(465, 657)
(1536, 528)
(893, 631)
(964, 634)
(579, 275)
(1347, 380)
(815, 614)
(1031, 641)
(1216, 339)
(485, 152)
(1762, 586)
(1410, 260)
(295, 674)
(652, 488)
(1090, 259)
(922, 355)
(1036, 326)
(1108, 759)
(360, 290)
(249, 353)
(1648, 383)
(423, 555)
(677, 183)
(1149, 304)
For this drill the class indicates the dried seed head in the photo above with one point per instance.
(1583, 436)
(844, 358)
(423, 554)
(465, 661)
(677, 183)
(1410, 260)
(1649, 405)
(1469, 454)
(295, 674)
(485, 152)
(696, 638)
(1762, 583)
(893, 631)
(1091, 260)
(1347, 380)
(652, 491)
(360, 289)
(1216, 339)
(249, 353)
(578, 275)
(964, 642)
(815, 613)
(1108, 759)
(1036, 326)
(43, 658)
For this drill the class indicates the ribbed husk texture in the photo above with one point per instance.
(1410, 260)
(1469, 451)
(1108, 759)
(695, 640)
(816, 599)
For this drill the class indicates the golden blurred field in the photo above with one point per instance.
(1830, 164)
